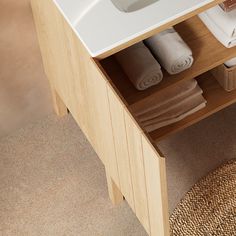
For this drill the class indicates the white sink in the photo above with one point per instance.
(105, 24)
(132, 5)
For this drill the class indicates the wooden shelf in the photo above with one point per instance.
(216, 97)
(207, 51)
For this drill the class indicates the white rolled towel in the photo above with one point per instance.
(220, 35)
(231, 63)
(140, 66)
(171, 51)
(225, 20)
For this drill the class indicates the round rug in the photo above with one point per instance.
(209, 208)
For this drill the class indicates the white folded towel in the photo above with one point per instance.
(171, 51)
(140, 66)
(217, 32)
(231, 63)
(225, 20)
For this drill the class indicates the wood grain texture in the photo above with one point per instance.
(103, 117)
(207, 52)
(156, 190)
(135, 148)
(58, 105)
(121, 148)
(114, 192)
(75, 77)
(159, 29)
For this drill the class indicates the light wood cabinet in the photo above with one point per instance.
(100, 98)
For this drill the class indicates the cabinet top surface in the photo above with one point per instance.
(102, 26)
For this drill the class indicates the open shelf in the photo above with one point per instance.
(207, 51)
(217, 99)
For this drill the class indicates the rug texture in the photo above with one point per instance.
(209, 208)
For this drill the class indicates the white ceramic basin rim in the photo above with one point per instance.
(132, 5)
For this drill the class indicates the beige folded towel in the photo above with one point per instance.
(163, 97)
(177, 114)
(140, 66)
(164, 109)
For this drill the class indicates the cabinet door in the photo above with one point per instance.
(141, 169)
(130, 159)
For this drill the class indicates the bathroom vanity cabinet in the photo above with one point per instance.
(77, 41)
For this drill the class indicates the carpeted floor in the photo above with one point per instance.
(24, 93)
(52, 182)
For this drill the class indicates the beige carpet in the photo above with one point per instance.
(24, 95)
(52, 183)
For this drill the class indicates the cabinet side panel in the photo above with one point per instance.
(75, 77)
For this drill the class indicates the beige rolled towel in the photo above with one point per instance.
(163, 97)
(140, 66)
(180, 101)
(177, 114)
(171, 51)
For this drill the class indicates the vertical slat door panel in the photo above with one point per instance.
(145, 167)
(134, 139)
(121, 147)
(156, 190)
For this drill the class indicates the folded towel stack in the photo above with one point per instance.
(171, 51)
(222, 25)
(140, 66)
(170, 106)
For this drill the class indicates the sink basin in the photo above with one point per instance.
(105, 25)
(132, 5)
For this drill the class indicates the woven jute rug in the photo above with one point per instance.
(209, 208)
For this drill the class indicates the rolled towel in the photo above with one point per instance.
(178, 113)
(231, 63)
(140, 66)
(163, 97)
(226, 21)
(171, 51)
(220, 35)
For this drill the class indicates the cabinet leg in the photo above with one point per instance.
(113, 191)
(59, 106)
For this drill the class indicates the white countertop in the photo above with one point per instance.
(102, 27)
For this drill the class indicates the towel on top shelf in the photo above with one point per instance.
(225, 20)
(169, 105)
(140, 66)
(171, 51)
(221, 24)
